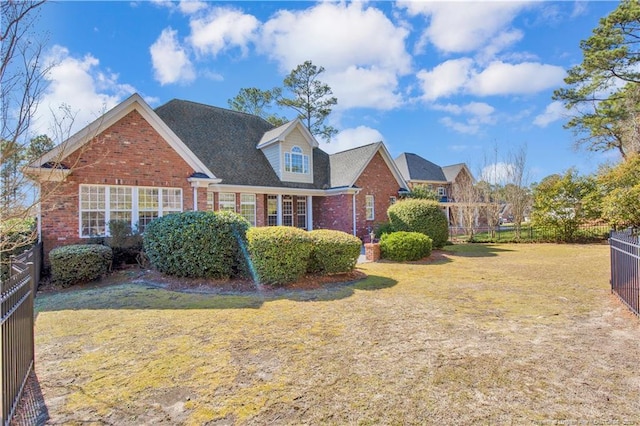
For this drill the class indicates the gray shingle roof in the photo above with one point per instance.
(414, 167)
(225, 141)
(346, 166)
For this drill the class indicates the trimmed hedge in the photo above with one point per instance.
(333, 252)
(401, 246)
(78, 263)
(125, 243)
(280, 254)
(424, 216)
(198, 244)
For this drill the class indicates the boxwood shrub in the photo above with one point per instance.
(401, 246)
(198, 244)
(424, 216)
(280, 254)
(333, 252)
(78, 263)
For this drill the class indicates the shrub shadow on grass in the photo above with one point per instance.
(140, 295)
(474, 250)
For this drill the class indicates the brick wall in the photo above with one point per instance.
(335, 212)
(131, 153)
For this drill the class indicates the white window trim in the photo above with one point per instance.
(288, 161)
(442, 191)
(222, 203)
(134, 205)
(370, 207)
(254, 204)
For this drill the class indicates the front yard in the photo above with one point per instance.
(502, 334)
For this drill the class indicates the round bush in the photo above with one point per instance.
(280, 254)
(333, 252)
(401, 246)
(424, 216)
(78, 263)
(197, 244)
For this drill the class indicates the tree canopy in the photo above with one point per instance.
(602, 92)
(310, 98)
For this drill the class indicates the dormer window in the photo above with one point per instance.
(296, 162)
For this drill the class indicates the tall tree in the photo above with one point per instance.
(516, 190)
(258, 102)
(311, 99)
(21, 85)
(602, 91)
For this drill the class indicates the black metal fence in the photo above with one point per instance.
(530, 233)
(625, 268)
(16, 329)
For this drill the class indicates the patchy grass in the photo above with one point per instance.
(487, 334)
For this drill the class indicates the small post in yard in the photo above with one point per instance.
(372, 251)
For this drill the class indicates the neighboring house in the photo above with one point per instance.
(136, 164)
(443, 180)
(453, 184)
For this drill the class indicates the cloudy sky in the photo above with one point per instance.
(450, 81)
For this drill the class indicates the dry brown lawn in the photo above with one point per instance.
(500, 334)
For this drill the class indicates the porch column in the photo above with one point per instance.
(195, 198)
(309, 213)
(279, 202)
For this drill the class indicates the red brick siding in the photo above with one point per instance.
(377, 180)
(131, 153)
(335, 212)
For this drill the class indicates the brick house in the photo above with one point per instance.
(136, 164)
(451, 183)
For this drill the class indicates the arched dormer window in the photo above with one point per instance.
(296, 162)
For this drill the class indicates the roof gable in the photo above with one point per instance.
(347, 166)
(452, 172)
(279, 134)
(134, 102)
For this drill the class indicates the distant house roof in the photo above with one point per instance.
(451, 172)
(226, 141)
(413, 167)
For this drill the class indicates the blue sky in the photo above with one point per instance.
(450, 81)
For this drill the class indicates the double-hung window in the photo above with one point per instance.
(248, 207)
(227, 202)
(370, 207)
(272, 210)
(296, 162)
(101, 204)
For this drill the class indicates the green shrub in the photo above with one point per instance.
(424, 216)
(197, 244)
(280, 254)
(333, 252)
(383, 228)
(16, 236)
(79, 263)
(401, 246)
(125, 243)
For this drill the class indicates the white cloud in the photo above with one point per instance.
(170, 61)
(467, 128)
(501, 78)
(464, 27)
(446, 79)
(189, 7)
(222, 29)
(474, 116)
(374, 88)
(553, 112)
(348, 40)
(80, 84)
(499, 173)
(352, 138)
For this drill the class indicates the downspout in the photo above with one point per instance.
(354, 214)
(38, 192)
